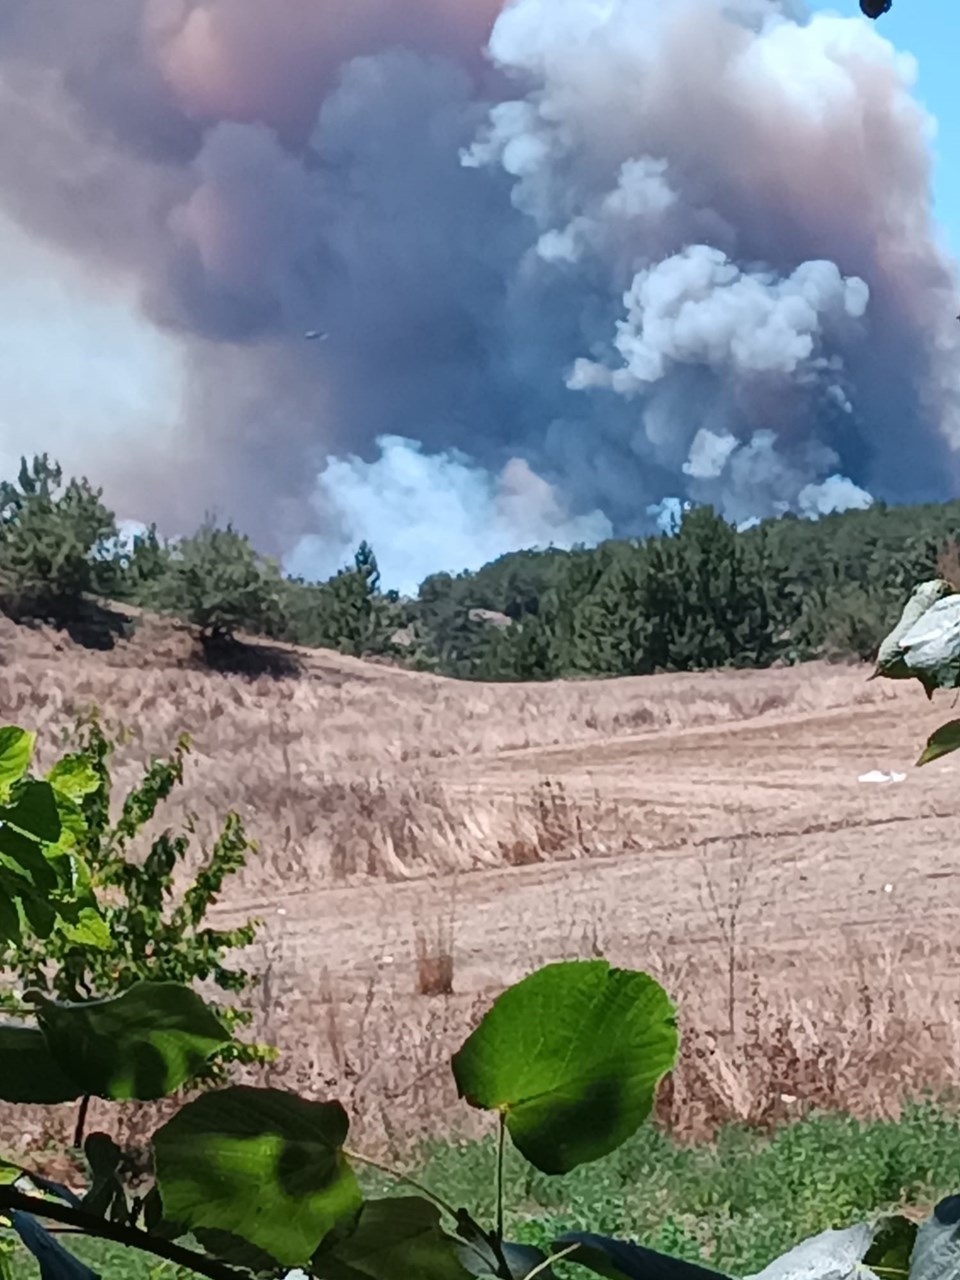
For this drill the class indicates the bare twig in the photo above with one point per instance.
(12, 1200)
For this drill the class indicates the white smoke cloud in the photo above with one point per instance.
(424, 513)
(699, 308)
(836, 493)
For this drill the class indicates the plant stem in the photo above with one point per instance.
(399, 1176)
(12, 1200)
(548, 1262)
(81, 1121)
(501, 1151)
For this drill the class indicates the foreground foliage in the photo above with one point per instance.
(925, 646)
(733, 1204)
(92, 903)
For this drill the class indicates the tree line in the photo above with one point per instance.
(702, 596)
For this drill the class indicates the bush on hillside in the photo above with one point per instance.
(53, 542)
(142, 569)
(217, 582)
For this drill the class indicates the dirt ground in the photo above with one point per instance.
(712, 828)
(825, 859)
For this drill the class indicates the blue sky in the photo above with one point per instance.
(930, 30)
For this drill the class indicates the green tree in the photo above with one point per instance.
(143, 569)
(708, 598)
(51, 535)
(348, 612)
(218, 582)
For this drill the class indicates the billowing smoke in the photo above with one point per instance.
(435, 513)
(638, 252)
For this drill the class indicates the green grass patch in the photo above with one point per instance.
(734, 1205)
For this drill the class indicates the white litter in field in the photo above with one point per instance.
(876, 776)
(888, 888)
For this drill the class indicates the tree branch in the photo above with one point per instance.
(202, 1265)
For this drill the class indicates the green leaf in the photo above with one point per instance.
(831, 1255)
(143, 1044)
(39, 913)
(229, 1248)
(89, 930)
(262, 1164)
(889, 1255)
(10, 925)
(395, 1239)
(479, 1258)
(571, 1057)
(56, 1263)
(74, 777)
(29, 856)
(941, 742)
(623, 1260)
(33, 810)
(28, 1071)
(936, 1250)
(9, 1173)
(16, 749)
(105, 1197)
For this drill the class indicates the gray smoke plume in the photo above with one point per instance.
(639, 250)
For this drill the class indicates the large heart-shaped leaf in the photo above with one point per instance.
(28, 1070)
(936, 1250)
(142, 1044)
(16, 748)
(394, 1239)
(261, 1164)
(623, 1260)
(571, 1057)
(831, 1255)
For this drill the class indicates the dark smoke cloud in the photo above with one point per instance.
(641, 250)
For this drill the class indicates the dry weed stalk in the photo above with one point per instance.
(434, 951)
(722, 892)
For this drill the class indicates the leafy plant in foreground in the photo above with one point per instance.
(925, 646)
(98, 912)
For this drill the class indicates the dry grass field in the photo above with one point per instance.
(424, 842)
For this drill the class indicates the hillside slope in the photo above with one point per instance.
(400, 813)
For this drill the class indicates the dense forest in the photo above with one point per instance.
(702, 595)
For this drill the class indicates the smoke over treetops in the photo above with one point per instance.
(572, 259)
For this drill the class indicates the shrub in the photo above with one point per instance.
(50, 534)
(217, 582)
(106, 913)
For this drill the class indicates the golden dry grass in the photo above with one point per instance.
(424, 842)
